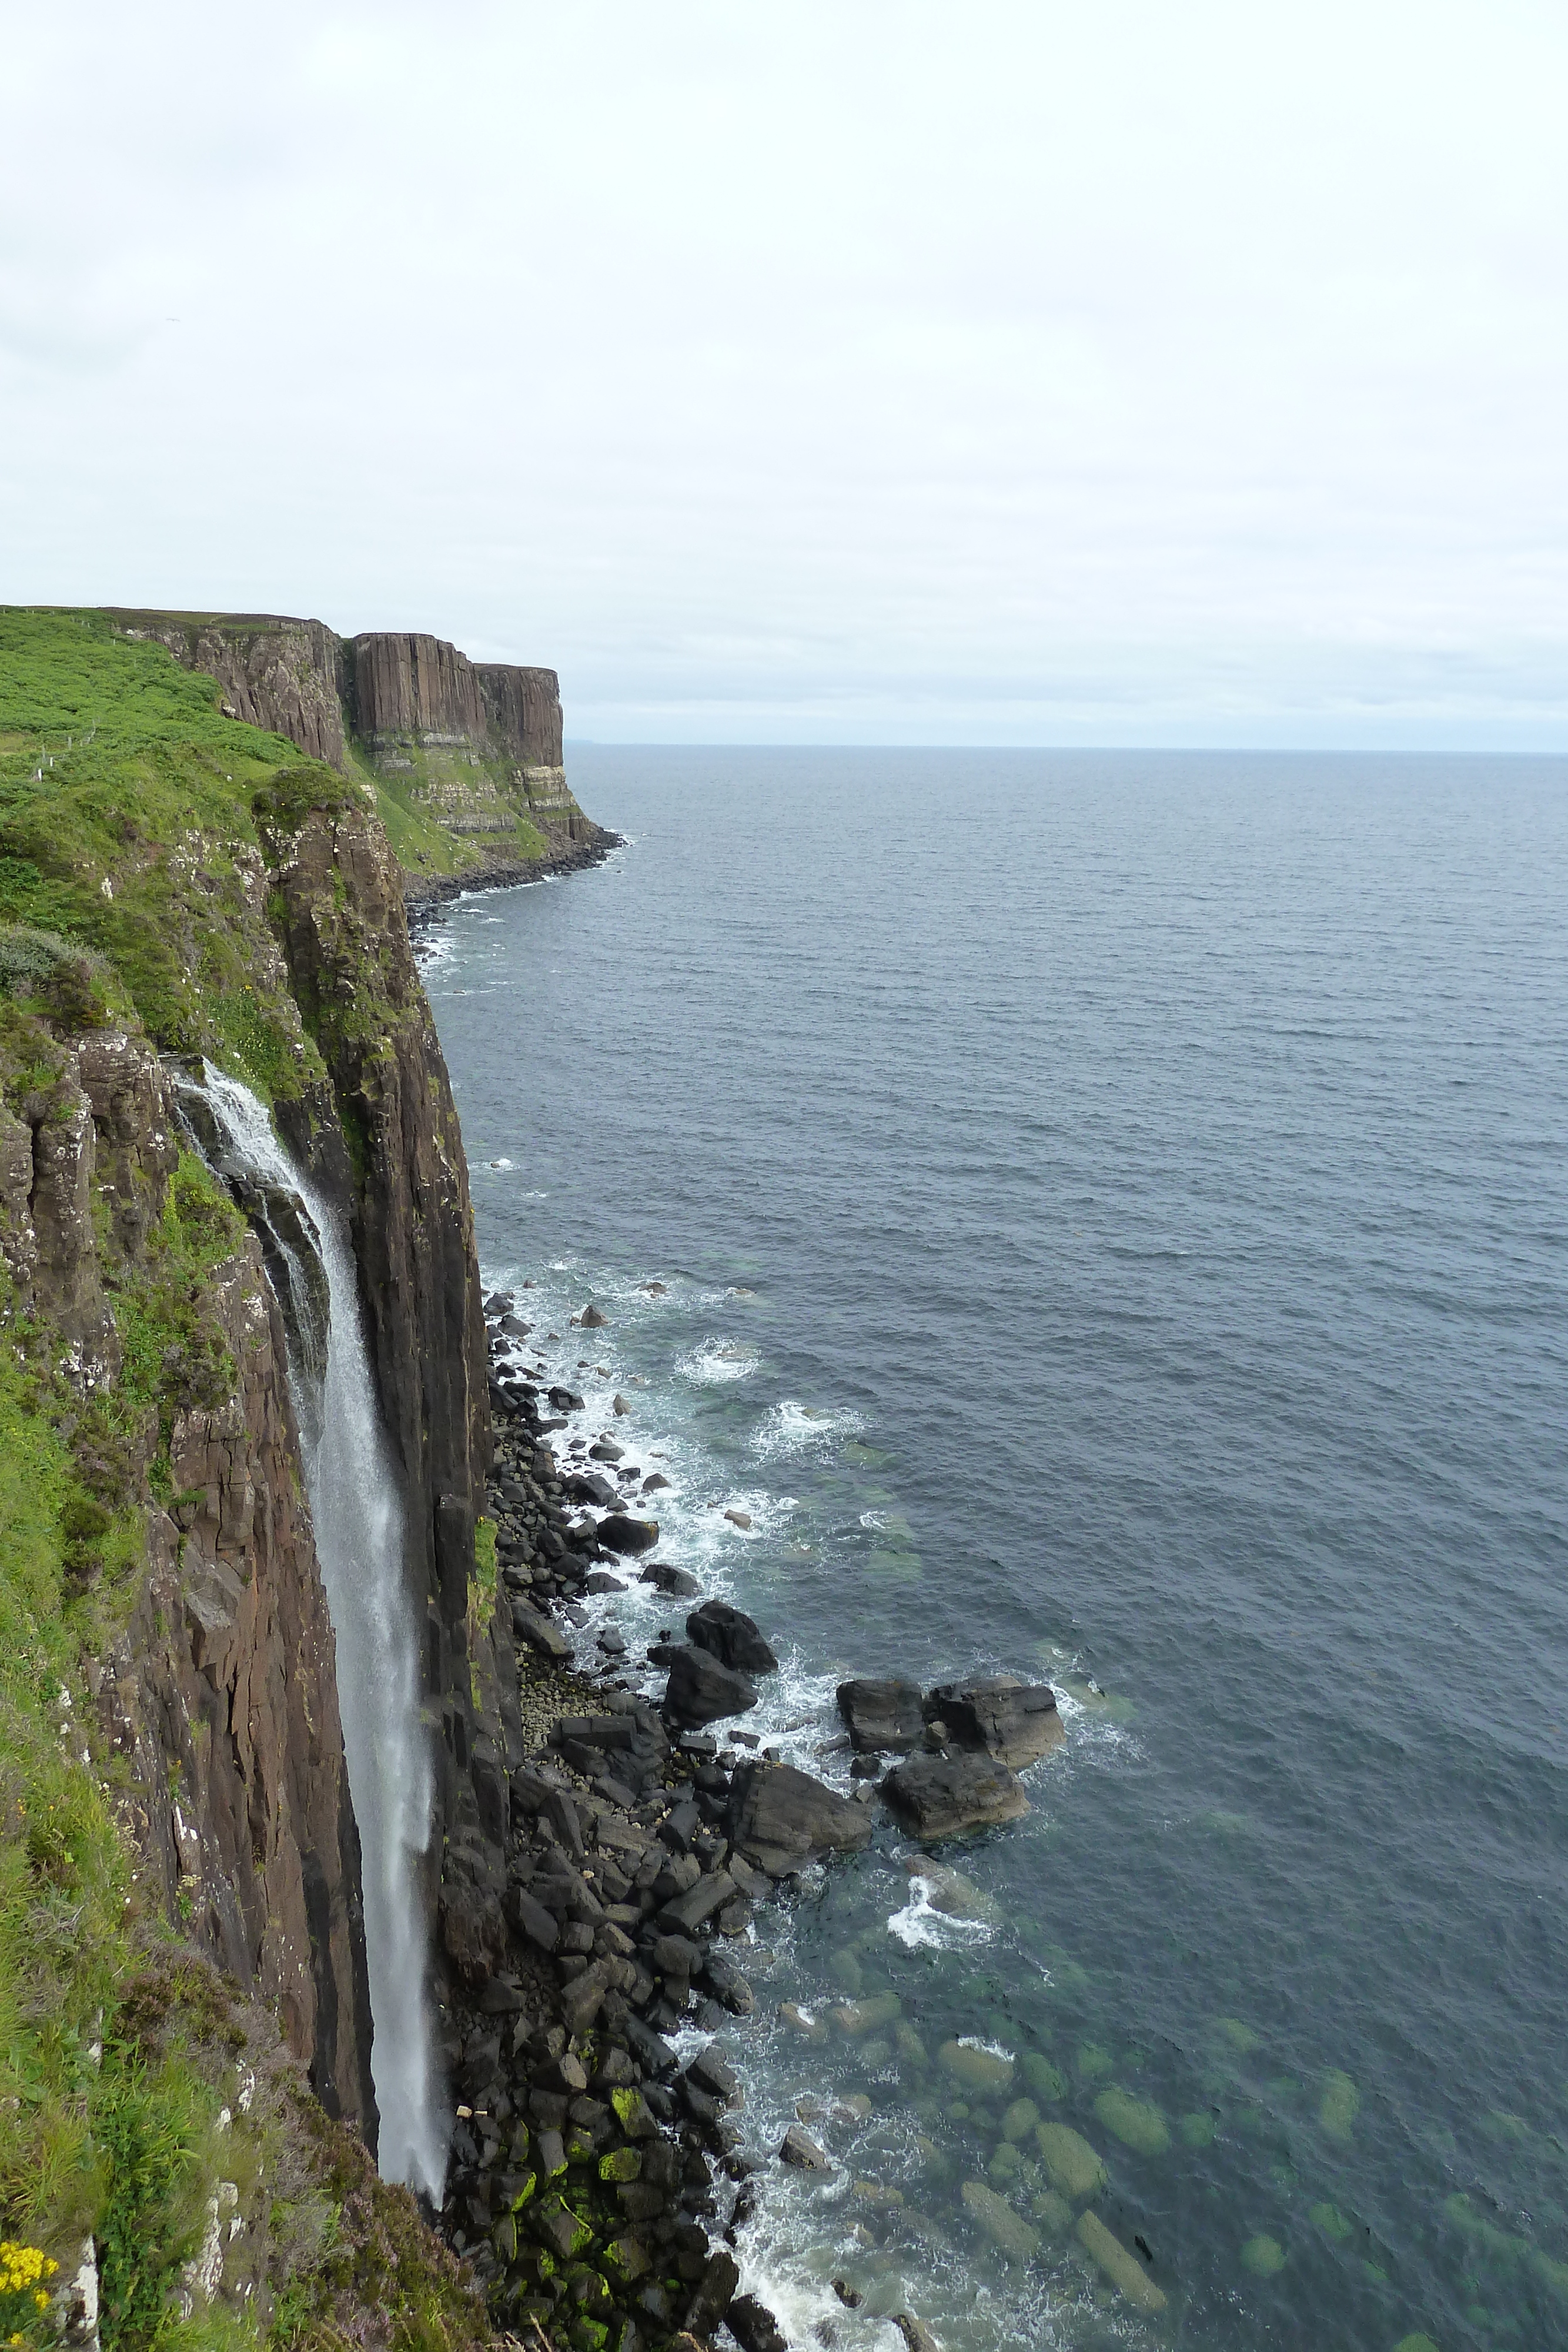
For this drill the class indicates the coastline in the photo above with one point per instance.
(424, 891)
(597, 2162)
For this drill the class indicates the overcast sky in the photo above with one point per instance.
(872, 371)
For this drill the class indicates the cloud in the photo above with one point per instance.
(1024, 374)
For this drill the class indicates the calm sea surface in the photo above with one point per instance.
(1113, 1212)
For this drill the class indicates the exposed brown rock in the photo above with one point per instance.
(221, 1689)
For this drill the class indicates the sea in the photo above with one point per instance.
(1110, 1217)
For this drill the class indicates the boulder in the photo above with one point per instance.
(753, 2326)
(529, 1625)
(1012, 1722)
(1006, 2229)
(985, 2073)
(800, 2149)
(590, 1486)
(619, 1533)
(592, 1319)
(1119, 2266)
(778, 1816)
(1069, 2162)
(732, 1637)
(884, 1715)
(726, 1984)
(915, 2332)
(679, 1582)
(700, 1690)
(942, 1796)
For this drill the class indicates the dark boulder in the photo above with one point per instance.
(778, 1816)
(883, 1714)
(942, 1796)
(589, 1486)
(732, 1637)
(619, 1533)
(678, 1582)
(702, 1691)
(1012, 1722)
(753, 2326)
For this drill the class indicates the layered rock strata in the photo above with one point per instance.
(476, 745)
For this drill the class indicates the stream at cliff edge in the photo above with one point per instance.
(1113, 1218)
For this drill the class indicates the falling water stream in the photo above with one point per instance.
(357, 1513)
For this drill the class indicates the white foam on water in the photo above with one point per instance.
(805, 2231)
(991, 2049)
(791, 1427)
(921, 1924)
(716, 1361)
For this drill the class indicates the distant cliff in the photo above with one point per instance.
(465, 757)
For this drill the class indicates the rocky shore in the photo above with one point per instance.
(424, 891)
(599, 2181)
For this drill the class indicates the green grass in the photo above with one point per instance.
(118, 2048)
(134, 819)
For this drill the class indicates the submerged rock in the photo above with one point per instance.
(1070, 2163)
(1017, 2238)
(942, 1796)
(984, 2072)
(1122, 2268)
(1135, 2122)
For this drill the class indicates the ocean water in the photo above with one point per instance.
(1112, 1212)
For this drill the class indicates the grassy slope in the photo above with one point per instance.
(117, 2050)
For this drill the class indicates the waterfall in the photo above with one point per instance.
(356, 1504)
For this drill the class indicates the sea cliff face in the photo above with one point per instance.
(174, 884)
(464, 758)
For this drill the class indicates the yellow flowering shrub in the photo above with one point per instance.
(24, 2297)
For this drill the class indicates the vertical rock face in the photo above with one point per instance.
(354, 975)
(221, 1689)
(523, 708)
(290, 677)
(406, 685)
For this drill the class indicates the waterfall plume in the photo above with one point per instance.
(357, 1508)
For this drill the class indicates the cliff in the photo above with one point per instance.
(174, 1796)
(464, 759)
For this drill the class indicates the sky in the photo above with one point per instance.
(871, 371)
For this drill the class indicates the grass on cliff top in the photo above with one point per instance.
(422, 844)
(129, 815)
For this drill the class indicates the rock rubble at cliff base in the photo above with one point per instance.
(598, 2184)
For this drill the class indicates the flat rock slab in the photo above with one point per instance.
(1012, 1722)
(732, 1637)
(529, 1625)
(943, 1796)
(885, 1716)
(777, 1811)
(700, 1690)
